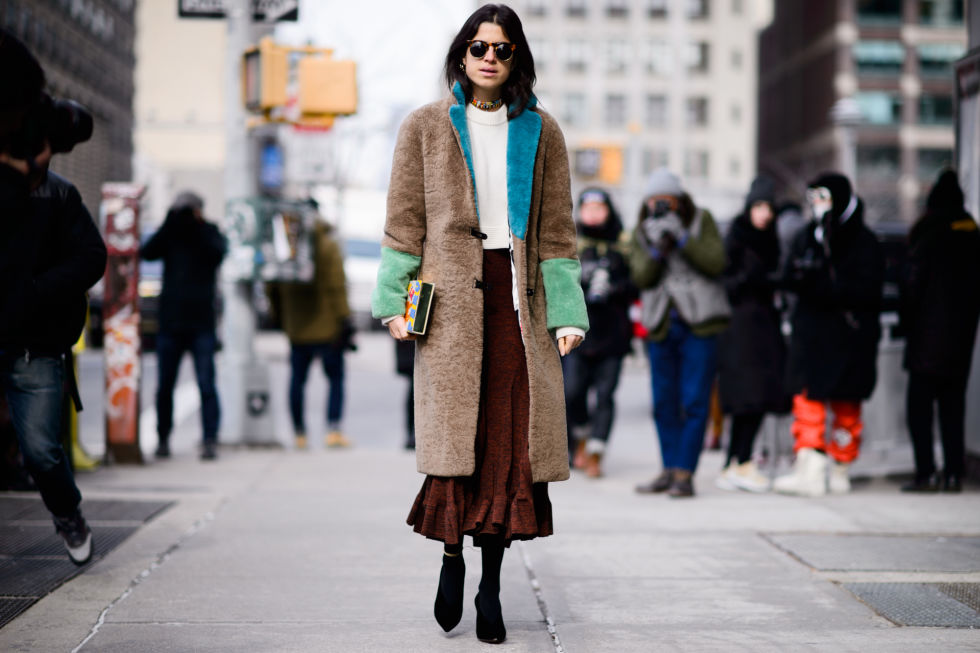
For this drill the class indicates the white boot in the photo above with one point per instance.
(809, 475)
(840, 482)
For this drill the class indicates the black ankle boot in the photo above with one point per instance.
(448, 608)
(489, 621)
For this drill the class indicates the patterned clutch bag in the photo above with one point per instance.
(418, 306)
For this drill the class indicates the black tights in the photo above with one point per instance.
(743, 432)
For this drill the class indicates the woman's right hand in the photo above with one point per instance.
(398, 329)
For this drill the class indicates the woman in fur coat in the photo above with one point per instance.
(480, 206)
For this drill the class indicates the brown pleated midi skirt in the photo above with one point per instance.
(500, 499)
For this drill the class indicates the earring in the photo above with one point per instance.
(462, 66)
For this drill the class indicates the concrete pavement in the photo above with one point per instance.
(279, 550)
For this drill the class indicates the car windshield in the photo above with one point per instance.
(363, 248)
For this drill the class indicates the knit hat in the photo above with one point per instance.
(946, 194)
(663, 182)
(761, 190)
(188, 200)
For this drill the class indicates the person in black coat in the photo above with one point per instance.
(752, 352)
(51, 253)
(596, 364)
(940, 310)
(192, 249)
(836, 271)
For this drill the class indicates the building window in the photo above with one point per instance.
(932, 162)
(617, 8)
(657, 8)
(941, 13)
(617, 51)
(653, 159)
(737, 59)
(659, 58)
(936, 59)
(656, 111)
(734, 166)
(935, 109)
(537, 7)
(880, 107)
(698, 9)
(737, 7)
(576, 54)
(736, 113)
(575, 8)
(574, 110)
(697, 57)
(696, 164)
(587, 162)
(878, 161)
(615, 110)
(696, 112)
(539, 50)
(879, 12)
(879, 57)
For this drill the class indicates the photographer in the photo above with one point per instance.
(676, 260)
(835, 269)
(50, 254)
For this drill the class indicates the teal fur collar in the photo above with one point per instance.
(523, 134)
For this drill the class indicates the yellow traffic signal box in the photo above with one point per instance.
(264, 76)
(327, 86)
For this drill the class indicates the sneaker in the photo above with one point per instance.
(747, 477)
(300, 441)
(724, 480)
(809, 475)
(839, 482)
(336, 440)
(209, 450)
(77, 537)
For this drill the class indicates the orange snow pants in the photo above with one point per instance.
(809, 424)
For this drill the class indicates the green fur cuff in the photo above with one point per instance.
(397, 269)
(563, 293)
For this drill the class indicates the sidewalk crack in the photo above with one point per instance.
(539, 596)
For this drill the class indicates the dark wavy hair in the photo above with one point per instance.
(516, 91)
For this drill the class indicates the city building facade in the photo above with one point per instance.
(87, 52)
(639, 84)
(892, 61)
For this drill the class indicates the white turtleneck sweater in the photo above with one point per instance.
(488, 146)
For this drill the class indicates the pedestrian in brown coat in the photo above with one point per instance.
(480, 206)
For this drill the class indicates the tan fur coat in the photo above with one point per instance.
(432, 232)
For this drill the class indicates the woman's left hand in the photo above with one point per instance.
(568, 343)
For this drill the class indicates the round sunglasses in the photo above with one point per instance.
(503, 50)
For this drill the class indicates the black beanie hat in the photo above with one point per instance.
(21, 79)
(946, 195)
(762, 190)
(840, 191)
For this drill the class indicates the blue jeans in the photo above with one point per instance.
(682, 368)
(170, 349)
(35, 392)
(332, 357)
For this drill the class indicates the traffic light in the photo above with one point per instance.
(265, 70)
(327, 86)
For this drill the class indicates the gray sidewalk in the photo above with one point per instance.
(278, 550)
(290, 551)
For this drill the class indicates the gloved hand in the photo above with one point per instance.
(670, 223)
(347, 332)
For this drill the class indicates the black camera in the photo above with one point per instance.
(62, 124)
(661, 208)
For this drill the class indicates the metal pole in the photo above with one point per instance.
(244, 383)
